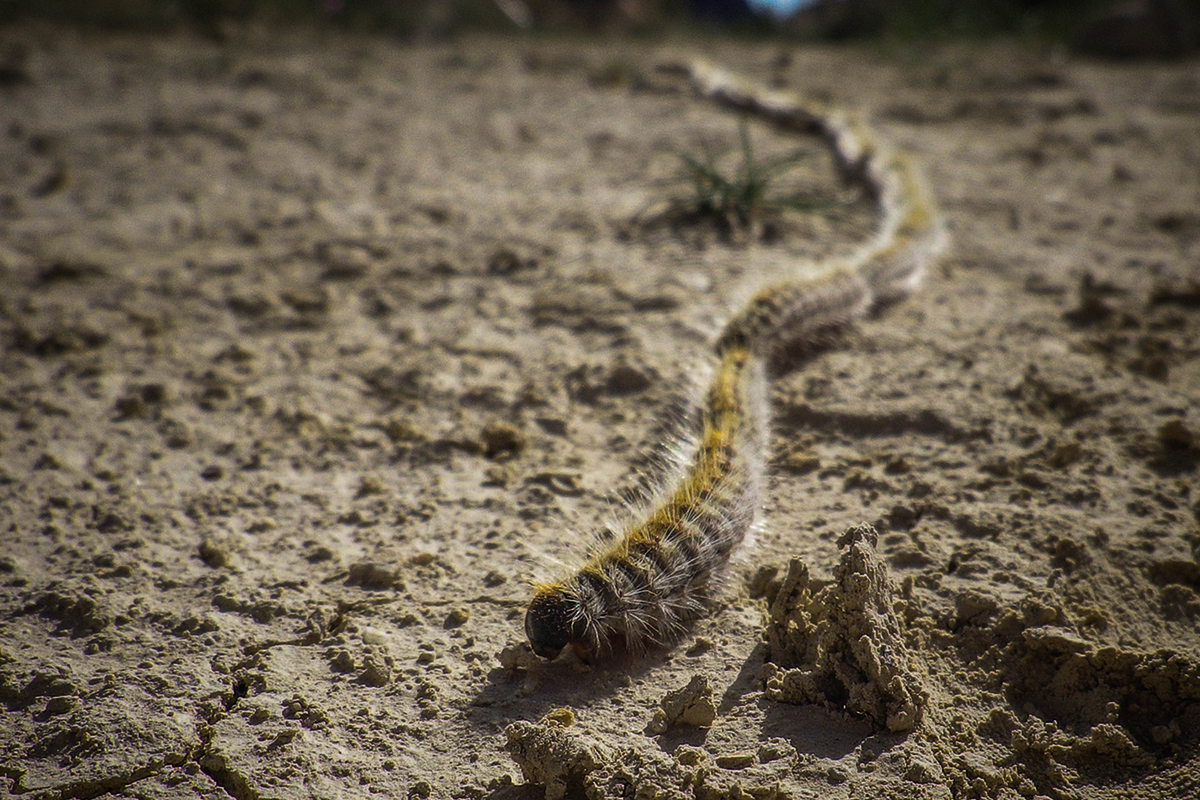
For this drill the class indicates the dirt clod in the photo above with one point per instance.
(690, 706)
(553, 753)
(843, 645)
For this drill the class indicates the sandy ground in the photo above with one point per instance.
(316, 351)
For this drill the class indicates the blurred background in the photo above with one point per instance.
(1125, 28)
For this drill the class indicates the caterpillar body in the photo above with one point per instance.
(659, 573)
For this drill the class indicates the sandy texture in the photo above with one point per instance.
(315, 351)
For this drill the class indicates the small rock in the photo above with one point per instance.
(400, 430)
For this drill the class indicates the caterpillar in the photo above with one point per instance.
(659, 573)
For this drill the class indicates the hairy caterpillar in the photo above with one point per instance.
(642, 588)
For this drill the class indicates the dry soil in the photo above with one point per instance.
(315, 350)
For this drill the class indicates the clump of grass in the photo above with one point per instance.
(741, 202)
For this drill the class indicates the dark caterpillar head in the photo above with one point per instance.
(551, 620)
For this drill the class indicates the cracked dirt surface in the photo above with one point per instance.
(315, 350)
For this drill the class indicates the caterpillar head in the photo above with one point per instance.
(551, 621)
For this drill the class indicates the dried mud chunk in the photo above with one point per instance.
(307, 300)
(843, 645)
(370, 485)
(1175, 435)
(78, 613)
(341, 660)
(370, 575)
(580, 308)
(346, 261)
(176, 435)
(691, 706)
(400, 430)
(590, 382)
(1183, 293)
(1044, 398)
(502, 441)
(1105, 743)
(60, 705)
(1054, 640)
(376, 671)
(517, 655)
(735, 761)
(738, 778)
(214, 554)
(552, 755)
(506, 262)
(57, 340)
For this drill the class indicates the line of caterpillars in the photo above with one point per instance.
(644, 587)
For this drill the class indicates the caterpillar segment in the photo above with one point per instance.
(796, 312)
(914, 237)
(642, 588)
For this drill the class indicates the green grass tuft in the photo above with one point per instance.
(739, 202)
